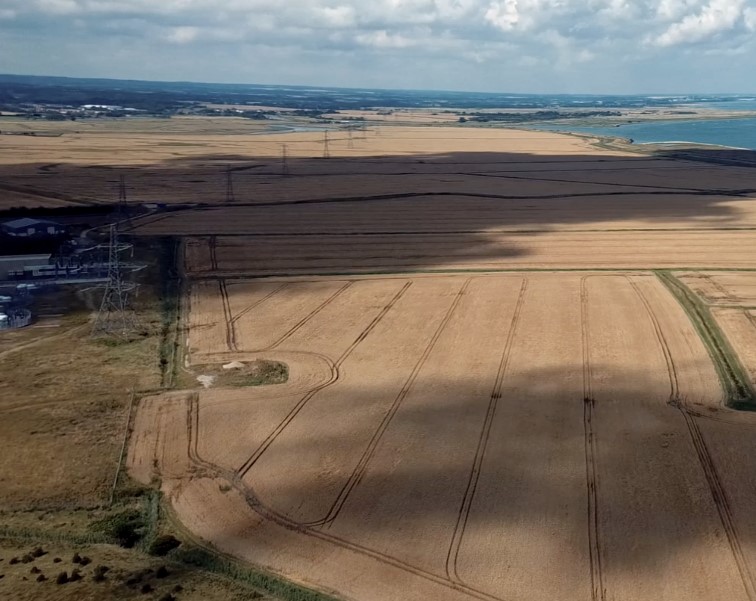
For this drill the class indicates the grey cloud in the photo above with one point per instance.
(520, 45)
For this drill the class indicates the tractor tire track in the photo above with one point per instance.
(369, 451)
(674, 384)
(722, 503)
(595, 552)
(247, 465)
(463, 514)
(308, 317)
(230, 329)
(234, 480)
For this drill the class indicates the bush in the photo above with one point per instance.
(99, 573)
(127, 527)
(163, 544)
(62, 578)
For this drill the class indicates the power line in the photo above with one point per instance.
(116, 318)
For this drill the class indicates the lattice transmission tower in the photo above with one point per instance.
(122, 208)
(116, 318)
(326, 148)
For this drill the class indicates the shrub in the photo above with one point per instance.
(127, 527)
(61, 578)
(99, 573)
(163, 544)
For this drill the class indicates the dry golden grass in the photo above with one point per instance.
(63, 406)
(19, 583)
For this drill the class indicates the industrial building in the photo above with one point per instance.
(32, 228)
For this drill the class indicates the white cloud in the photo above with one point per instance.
(337, 16)
(383, 39)
(501, 35)
(749, 17)
(182, 35)
(715, 17)
(505, 14)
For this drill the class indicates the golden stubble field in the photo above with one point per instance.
(512, 367)
(512, 355)
(491, 436)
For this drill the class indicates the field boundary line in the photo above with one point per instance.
(369, 451)
(674, 382)
(247, 465)
(465, 508)
(241, 275)
(598, 590)
(124, 443)
(733, 377)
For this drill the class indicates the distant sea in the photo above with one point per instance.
(734, 133)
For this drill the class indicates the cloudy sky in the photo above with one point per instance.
(570, 46)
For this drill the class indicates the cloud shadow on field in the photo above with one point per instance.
(653, 495)
(530, 508)
(410, 211)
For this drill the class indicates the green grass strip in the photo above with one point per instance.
(732, 375)
(51, 536)
(195, 552)
(218, 564)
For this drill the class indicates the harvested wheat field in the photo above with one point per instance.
(514, 365)
(521, 435)
(186, 160)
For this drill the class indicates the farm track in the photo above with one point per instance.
(257, 303)
(595, 554)
(472, 483)
(231, 320)
(674, 383)
(235, 480)
(227, 317)
(293, 330)
(293, 413)
(367, 454)
(719, 496)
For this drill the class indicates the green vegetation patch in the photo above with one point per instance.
(734, 378)
(244, 373)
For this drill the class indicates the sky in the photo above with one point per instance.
(522, 46)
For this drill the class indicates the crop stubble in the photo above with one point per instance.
(533, 435)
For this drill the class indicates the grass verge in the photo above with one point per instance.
(200, 555)
(732, 375)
